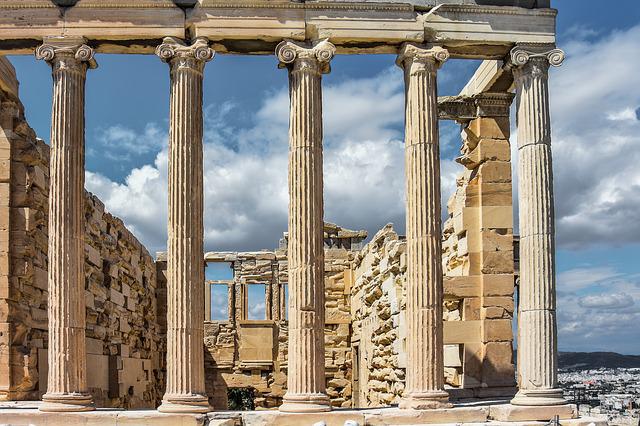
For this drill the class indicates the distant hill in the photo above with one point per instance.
(592, 360)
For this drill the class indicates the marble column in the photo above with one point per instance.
(306, 387)
(67, 382)
(537, 335)
(425, 364)
(185, 391)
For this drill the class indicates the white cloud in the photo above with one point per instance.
(594, 96)
(606, 301)
(121, 143)
(580, 278)
(597, 305)
(246, 169)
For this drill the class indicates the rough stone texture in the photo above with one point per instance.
(379, 321)
(123, 345)
(243, 353)
(478, 243)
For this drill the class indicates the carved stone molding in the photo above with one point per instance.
(317, 56)
(426, 55)
(466, 108)
(178, 54)
(66, 52)
(521, 54)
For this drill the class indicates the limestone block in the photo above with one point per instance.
(472, 361)
(497, 216)
(495, 172)
(514, 413)
(497, 364)
(471, 309)
(395, 416)
(497, 285)
(98, 371)
(116, 297)
(489, 128)
(483, 193)
(206, 20)
(36, 18)
(487, 150)
(456, 332)
(341, 27)
(497, 330)
(452, 356)
(94, 346)
(92, 255)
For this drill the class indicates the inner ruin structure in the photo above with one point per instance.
(420, 321)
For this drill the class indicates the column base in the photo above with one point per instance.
(538, 397)
(66, 402)
(191, 403)
(425, 400)
(305, 403)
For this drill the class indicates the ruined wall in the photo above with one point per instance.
(478, 257)
(478, 284)
(245, 353)
(379, 323)
(123, 345)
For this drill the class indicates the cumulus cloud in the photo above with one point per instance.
(606, 301)
(597, 305)
(594, 96)
(245, 168)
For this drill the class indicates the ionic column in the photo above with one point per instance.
(537, 335)
(67, 382)
(306, 380)
(185, 265)
(425, 364)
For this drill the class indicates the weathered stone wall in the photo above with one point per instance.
(478, 265)
(478, 256)
(124, 348)
(379, 329)
(244, 353)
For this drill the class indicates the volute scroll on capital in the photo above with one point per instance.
(193, 55)
(520, 55)
(424, 54)
(320, 52)
(54, 48)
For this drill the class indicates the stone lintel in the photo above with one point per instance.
(466, 108)
(491, 76)
(255, 27)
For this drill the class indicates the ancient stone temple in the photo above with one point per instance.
(408, 329)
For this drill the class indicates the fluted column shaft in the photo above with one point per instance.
(67, 381)
(306, 385)
(537, 335)
(425, 365)
(185, 263)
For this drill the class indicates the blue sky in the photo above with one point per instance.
(595, 99)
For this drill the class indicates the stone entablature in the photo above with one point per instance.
(466, 29)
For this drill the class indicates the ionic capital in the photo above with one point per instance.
(298, 56)
(181, 55)
(523, 54)
(432, 56)
(66, 53)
